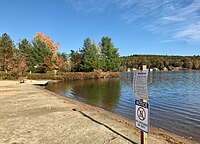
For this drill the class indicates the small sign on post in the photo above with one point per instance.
(141, 106)
(140, 84)
(142, 115)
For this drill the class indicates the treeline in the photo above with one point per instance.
(161, 62)
(42, 55)
(101, 57)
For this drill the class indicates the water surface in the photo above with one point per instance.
(174, 98)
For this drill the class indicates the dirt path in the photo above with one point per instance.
(33, 115)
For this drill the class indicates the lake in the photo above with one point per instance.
(174, 98)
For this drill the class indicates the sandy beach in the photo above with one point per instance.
(30, 114)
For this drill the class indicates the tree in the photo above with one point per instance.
(91, 56)
(24, 46)
(77, 61)
(110, 55)
(46, 39)
(41, 57)
(43, 53)
(63, 63)
(7, 50)
(196, 64)
(63, 55)
(25, 51)
(188, 63)
(22, 66)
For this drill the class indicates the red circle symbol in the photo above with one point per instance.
(141, 113)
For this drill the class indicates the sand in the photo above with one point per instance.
(30, 114)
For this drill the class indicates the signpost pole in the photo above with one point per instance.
(143, 134)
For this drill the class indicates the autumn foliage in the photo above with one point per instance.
(53, 48)
(46, 39)
(55, 57)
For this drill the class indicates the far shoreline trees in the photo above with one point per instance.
(42, 55)
(160, 62)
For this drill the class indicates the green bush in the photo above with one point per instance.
(64, 76)
(9, 75)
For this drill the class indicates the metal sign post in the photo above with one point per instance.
(142, 115)
(142, 107)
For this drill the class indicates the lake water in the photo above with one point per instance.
(174, 98)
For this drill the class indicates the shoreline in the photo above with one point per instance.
(31, 100)
(168, 136)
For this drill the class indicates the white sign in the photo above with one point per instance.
(142, 115)
(140, 84)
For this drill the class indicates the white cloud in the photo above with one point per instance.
(178, 19)
(189, 33)
(173, 18)
(166, 41)
(87, 6)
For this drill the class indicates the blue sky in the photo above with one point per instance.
(167, 27)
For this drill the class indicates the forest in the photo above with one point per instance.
(161, 62)
(42, 55)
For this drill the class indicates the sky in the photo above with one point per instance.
(160, 27)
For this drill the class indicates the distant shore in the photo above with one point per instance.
(32, 114)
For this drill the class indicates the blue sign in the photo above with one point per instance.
(142, 104)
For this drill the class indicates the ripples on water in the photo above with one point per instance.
(174, 98)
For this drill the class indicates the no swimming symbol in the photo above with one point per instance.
(141, 113)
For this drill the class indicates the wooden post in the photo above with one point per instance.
(144, 135)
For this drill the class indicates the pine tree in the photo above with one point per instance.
(91, 56)
(40, 52)
(25, 51)
(110, 55)
(7, 50)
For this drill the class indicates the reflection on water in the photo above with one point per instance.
(174, 98)
(102, 93)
